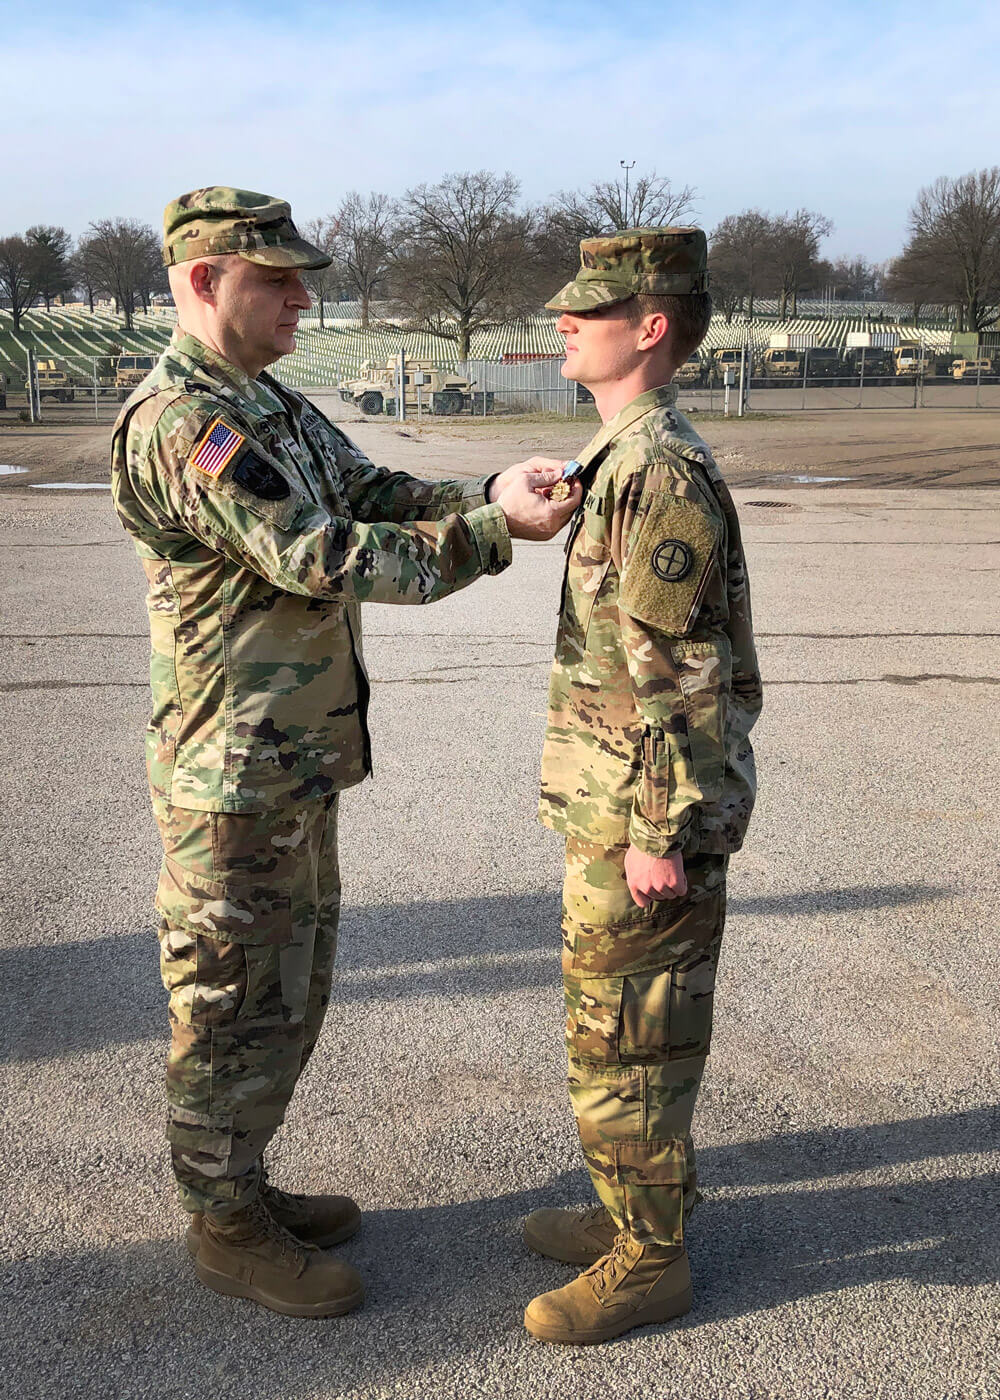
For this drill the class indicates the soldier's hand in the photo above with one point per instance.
(531, 515)
(547, 467)
(654, 877)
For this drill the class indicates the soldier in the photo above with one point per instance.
(648, 772)
(261, 528)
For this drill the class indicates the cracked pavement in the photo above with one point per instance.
(848, 1128)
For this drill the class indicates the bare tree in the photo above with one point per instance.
(459, 264)
(794, 255)
(125, 257)
(955, 228)
(855, 279)
(741, 247)
(917, 277)
(51, 247)
(362, 246)
(604, 207)
(18, 275)
(85, 269)
(322, 282)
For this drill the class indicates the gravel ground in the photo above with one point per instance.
(847, 1128)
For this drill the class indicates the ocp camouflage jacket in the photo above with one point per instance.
(261, 528)
(655, 685)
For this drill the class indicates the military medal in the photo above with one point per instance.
(562, 489)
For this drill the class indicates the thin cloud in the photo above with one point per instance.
(848, 111)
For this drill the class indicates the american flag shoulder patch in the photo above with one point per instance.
(216, 446)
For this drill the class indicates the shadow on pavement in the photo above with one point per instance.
(73, 997)
(448, 1282)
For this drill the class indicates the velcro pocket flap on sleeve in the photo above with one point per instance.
(669, 564)
(235, 912)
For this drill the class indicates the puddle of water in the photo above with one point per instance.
(814, 480)
(12, 471)
(72, 486)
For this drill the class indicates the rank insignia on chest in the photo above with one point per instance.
(216, 447)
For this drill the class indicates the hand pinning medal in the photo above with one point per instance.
(563, 488)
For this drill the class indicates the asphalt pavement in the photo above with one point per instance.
(848, 1128)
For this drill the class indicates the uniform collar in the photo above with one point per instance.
(193, 359)
(663, 397)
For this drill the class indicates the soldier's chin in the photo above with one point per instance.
(566, 371)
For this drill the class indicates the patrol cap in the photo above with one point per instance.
(658, 261)
(220, 219)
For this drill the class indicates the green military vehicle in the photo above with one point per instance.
(130, 371)
(824, 362)
(54, 382)
(427, 388)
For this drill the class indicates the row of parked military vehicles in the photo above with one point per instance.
(784, 363)
(121, 373)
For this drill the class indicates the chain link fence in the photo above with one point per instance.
(773, 380)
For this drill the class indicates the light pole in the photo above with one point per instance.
(626, 166)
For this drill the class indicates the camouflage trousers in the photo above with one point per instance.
(250, 905)
(639, 985)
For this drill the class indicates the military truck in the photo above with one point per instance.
(824, 362)
(427, 386)
(911, 360)
(724, 359)
(877, 363)
(130, 371)
(54, 382)
(980, 368)
(779, 363)
(691, 373)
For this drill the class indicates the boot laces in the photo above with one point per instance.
(605, 1271)
(288, 1244)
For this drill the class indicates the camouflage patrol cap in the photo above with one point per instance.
(657, 261)
(220, 219)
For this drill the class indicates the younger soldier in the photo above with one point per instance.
(261, 529)
(649, 774)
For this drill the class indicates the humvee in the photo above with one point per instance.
(691, 372)
(781, 364)
(427, 386)
(54, 382)
(130, 371)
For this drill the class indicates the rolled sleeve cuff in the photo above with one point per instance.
(489, 526)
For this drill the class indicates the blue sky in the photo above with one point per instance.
(847, 108)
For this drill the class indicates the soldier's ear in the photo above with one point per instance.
(653, 331)
(204, 281)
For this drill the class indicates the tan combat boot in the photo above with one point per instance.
(632, 1286)
(319, 1220)
(249, 1255)
(574, 1236)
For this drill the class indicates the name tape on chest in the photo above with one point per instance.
(216, 446)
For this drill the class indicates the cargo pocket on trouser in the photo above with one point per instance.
(234, 1055)
(651, 1179)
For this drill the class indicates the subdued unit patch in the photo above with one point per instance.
(666, 569)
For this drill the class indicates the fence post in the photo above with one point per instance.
(34, 393)
(979, 375)
(401, 396)
(97, 416)
(805, 375)
(861, 381)
(743, 379)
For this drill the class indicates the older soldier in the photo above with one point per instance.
(648, 772)
(261, 528)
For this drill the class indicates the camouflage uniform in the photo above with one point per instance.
(261, 528)
(654, 690)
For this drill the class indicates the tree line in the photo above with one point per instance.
(466, 254)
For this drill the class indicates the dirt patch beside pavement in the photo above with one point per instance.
(871, 448)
